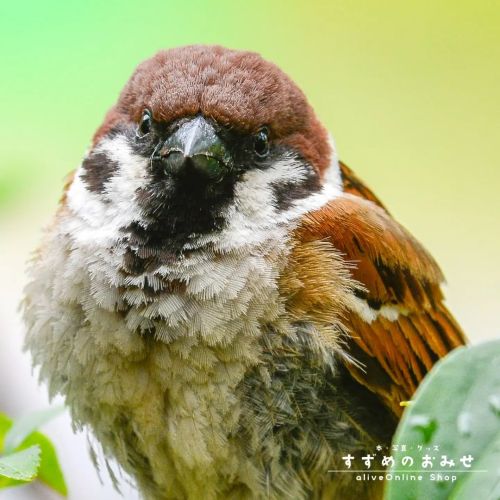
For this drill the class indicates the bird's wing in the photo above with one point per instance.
(352, 184)
(399, 325)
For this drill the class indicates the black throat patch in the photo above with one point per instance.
(176, 211)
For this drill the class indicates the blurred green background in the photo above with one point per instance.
(410, 90)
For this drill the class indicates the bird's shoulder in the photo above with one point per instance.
(396, 321)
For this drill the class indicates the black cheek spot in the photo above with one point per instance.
(288, 192)
(98, 168)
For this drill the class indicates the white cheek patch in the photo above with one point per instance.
(254, 194)
(254, 214)
(131, 175)
(99, 216)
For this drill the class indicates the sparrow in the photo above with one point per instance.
(222, 303)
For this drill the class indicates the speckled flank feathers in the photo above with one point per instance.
(230, 339)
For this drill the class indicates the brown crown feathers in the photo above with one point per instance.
(237, 89)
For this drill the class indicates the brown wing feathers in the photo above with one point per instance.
(396, 271)
(353, 185)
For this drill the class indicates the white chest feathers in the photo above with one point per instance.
(152, 361)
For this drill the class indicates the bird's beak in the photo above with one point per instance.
(196, 147)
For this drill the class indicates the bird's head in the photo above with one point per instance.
(203, 139)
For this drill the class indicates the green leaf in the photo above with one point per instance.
(21, 465)
(457, 410)
(26, 424)
(6, 482)
(5, 425)
(49, 472)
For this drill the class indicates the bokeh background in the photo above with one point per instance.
(410, 90)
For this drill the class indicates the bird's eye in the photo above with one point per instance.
(261, 142)
(145, 125)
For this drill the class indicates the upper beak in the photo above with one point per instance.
(195, 145)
